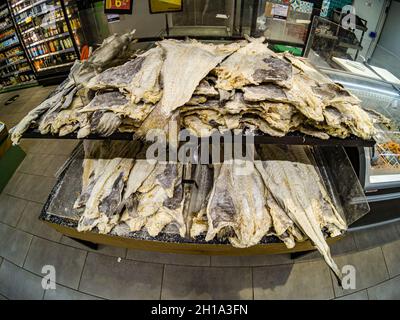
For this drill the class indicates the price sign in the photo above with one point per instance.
(161, 6)
(118, 6)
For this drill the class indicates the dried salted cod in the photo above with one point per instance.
(112, 197)
(103, 123)
(283, 226)
(221, 211)
(306, 69)
(300, 95)
(91, 215)
(54, 101)
(253, 219)
(139, 173)
(171, 211)
(283, 178)
(206, 89)
(97, 155)
(68, 117)
(138, 77)
(237, 201)
(253, 64)
(356, 119)
(197, 220)
(185, 65)
(154, 200)
(112, 51)
(109, 101)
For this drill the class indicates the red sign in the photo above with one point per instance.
(118, 6)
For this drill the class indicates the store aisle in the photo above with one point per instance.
(26, 245)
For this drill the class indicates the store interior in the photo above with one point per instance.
(312, 89)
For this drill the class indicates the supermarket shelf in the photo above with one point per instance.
(53, 53)
(44, 25)
(15, 55)
(14, 73)
(16, 4)
(37, 15)
(8, 37)
(19, 86)
(12, 64)
(30, 6)
(57, 66)
(6, 28)
(9, 47)
(292, 139)
(61, 35)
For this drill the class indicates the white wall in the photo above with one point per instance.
(387, 52)
(371, 11)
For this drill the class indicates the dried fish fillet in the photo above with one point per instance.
(185, 65)
(253, 64)
(286, 182)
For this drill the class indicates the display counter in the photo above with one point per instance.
(10, 156)
(60, 214)
(375, 167)
(378, 167)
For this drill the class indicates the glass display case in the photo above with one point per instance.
(15, 70)
(49, 31)
(329, 43)
(379, 166)
(285, 22)
(203, 18)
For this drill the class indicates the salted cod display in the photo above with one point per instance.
(119, 186)
(65, 98)
(206, 88)
(280, 194)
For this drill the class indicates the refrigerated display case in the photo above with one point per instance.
(49, 30)
(15, 69)
(378, 167)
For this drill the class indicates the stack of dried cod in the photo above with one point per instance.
(282, 195)
(206, 87)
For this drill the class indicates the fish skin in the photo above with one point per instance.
(283, 179)
(179, 65)
(52, 102)
(253, 219)
(254, 63)
(100, 187)
(221, 209)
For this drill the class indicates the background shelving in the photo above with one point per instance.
(15, 69)
(50, 32)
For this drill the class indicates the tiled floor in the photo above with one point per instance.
(26, 245)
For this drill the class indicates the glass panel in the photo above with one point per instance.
(382, 161)
(204, 18)
(384, 58)
(280, 22)
(329, 42)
